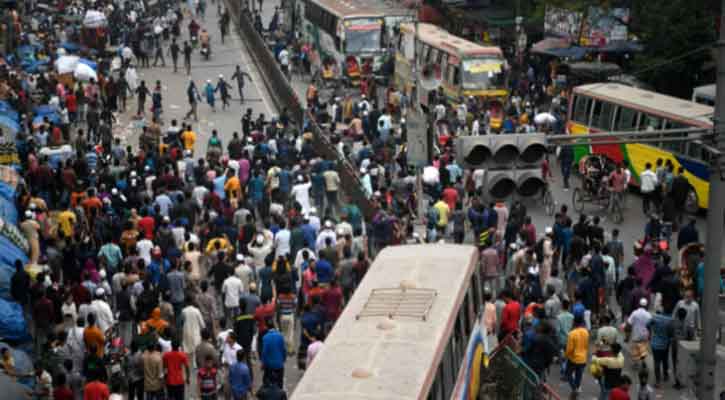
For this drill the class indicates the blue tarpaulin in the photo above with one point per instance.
(70, 47)
(9, 252)
(7, 109)
(34, 66)
(52, 117)
(12, 322)
(6, 274)
(44, 109)
(8, 212)
(9, 124)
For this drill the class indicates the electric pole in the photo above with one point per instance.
(714, 244)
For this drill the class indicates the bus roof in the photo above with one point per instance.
(646, 100)
(705, 92)
(444, 40)
(401, 355)
(349, 8)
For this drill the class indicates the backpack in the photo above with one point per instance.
(539, 250)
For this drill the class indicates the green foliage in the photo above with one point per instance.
(669, 30)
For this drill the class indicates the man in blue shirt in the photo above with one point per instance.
(274, 354)
(240, 380)
(661, 329)
(324, 271)
(157, 265)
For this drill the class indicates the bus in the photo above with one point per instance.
(406, 333)
(463, 67)
(606, 107)
(705, 94)
(350, 33)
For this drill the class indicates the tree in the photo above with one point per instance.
(677, 36)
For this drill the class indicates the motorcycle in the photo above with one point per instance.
(115, 357)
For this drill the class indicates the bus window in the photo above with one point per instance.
(444, 63)
(581, 109)
(602, 118)
(449, 368)
(675, 147)
(626, 120)
(477, 295)
(456, 76)
(650, 123)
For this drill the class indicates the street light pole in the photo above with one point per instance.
(713, 247)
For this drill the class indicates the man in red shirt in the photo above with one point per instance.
(621, 392)
(96, 390)
(450, 196)
(261, 315)
(510, 316)
(146, 224)
(176, 366)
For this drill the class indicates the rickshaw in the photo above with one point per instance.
(595, 186)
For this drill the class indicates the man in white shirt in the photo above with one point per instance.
(648, 186)
(284, 60)
(301, 193)
(282, 241)
(232, 289)
(199, 193)
(243, 272)
(104, 315)
(384, 125)
(144, 247)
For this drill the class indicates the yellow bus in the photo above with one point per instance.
(464, 68)
(406, 333)
(606, 107)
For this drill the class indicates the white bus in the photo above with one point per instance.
(344, 31)
(705, 94)
(406, 332)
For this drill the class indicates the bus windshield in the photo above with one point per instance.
(483, 73)
(363, 36)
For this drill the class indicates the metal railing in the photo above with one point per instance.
(507, 376)
(285, 98)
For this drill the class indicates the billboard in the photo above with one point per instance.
(601, 26)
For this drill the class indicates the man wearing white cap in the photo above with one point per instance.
(639, 322)
(327, 232)
(314, 220)
(301, 193)
(243, 272)
(104, 315)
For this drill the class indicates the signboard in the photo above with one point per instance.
(417, 151)
(601, 26)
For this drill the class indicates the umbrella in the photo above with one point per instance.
(84, 73)
(544, 118)
(549, 44)
(94, 19)
(9, 124)
(92, 64)
(66, 64)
